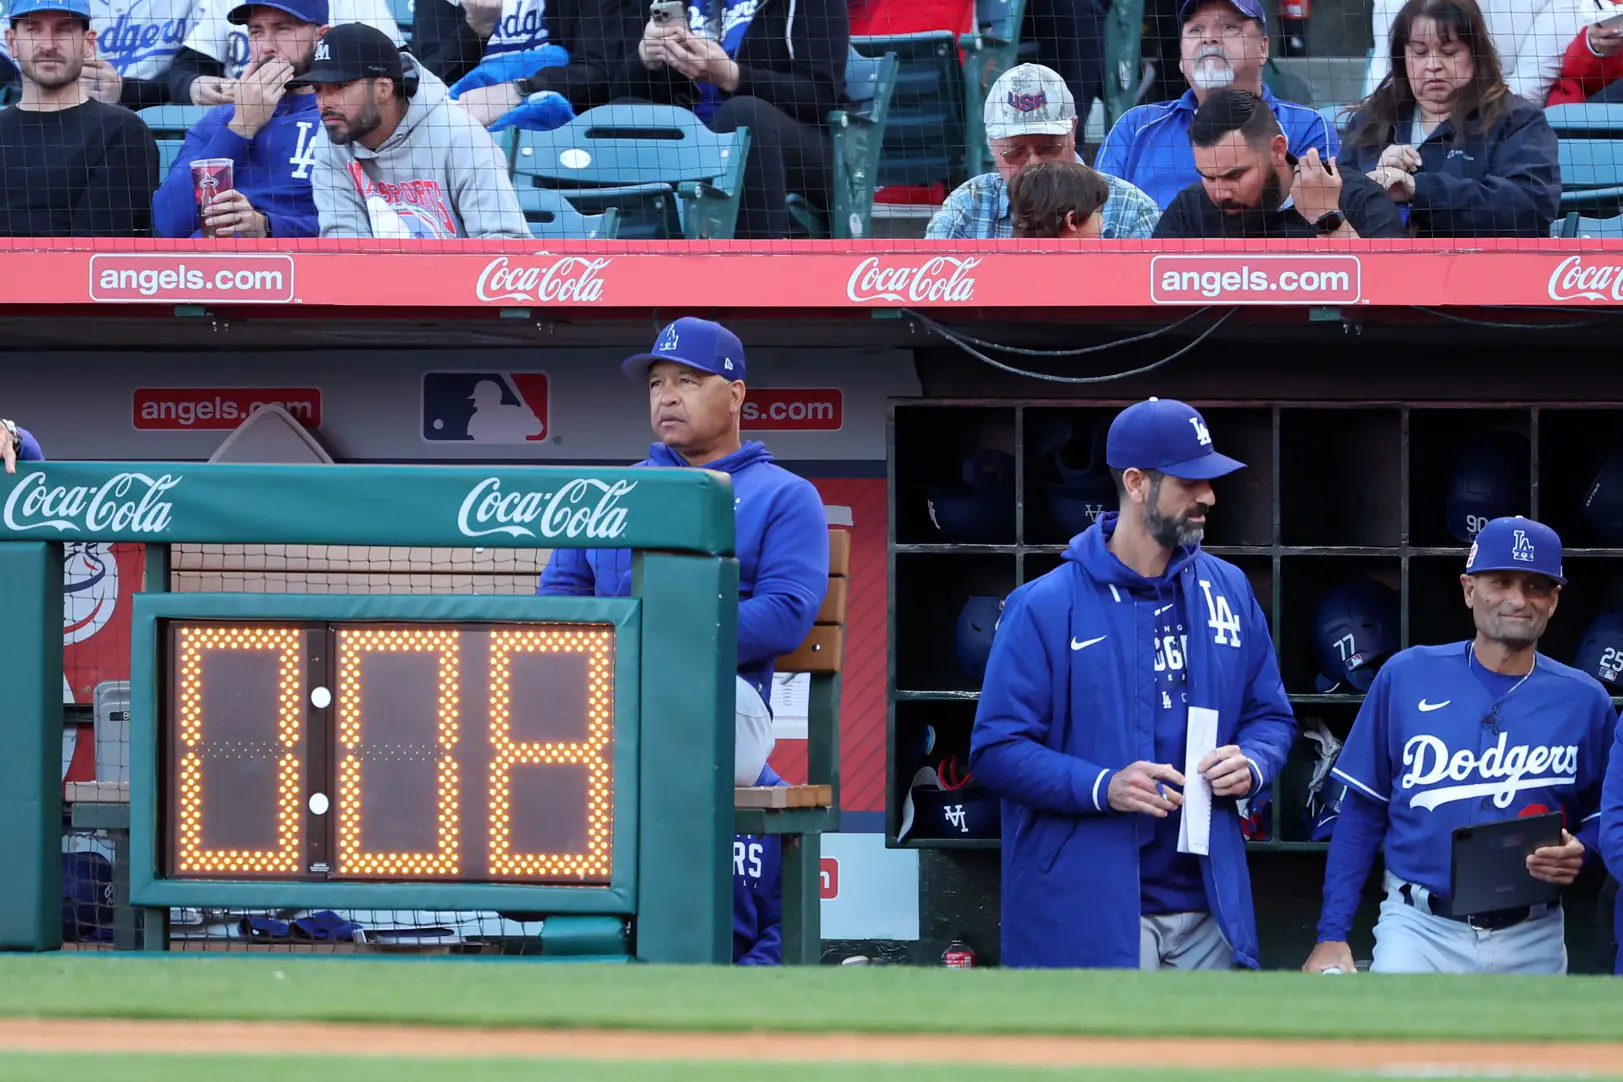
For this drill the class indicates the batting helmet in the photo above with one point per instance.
(1081, 488)
(1600, 654)
(1355, 629)
(1491, 478)
(1602, 509)
(948, 802)
(980, 509)
(972, 636)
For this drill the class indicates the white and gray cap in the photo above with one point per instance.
(1029, 100)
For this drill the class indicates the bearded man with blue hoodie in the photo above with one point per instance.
(1083, 721)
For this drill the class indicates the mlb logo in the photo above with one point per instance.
(485, 407)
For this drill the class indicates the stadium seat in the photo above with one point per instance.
(172, 121)
(1124, 58)
(1336, 116)
(1575, 225)
(1591, 174)
(1586, 120)
(858, 132)
(924, 138)
(168, 151)
(989, 51)
(405, 17)
(669, 174)
(551, 216)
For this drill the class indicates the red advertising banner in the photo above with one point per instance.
(182, 409)
(829, 275)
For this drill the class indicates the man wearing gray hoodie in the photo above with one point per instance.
(401, 160)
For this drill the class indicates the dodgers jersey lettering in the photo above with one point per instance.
(139, 38)
(1169, 881)
(1440, 750)
(726, 21)
(523, 25)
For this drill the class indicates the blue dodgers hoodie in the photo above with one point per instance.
(272, 170)
(758, 893)
(782, 546)
(1071, 696)
(1611, 832)
(30, 450)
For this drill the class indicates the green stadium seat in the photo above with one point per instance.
(405, 17)
(1587, 120)
(1576, 225)
(551, 216)
(172, 121)
(670, 175)
(858, 132)
(989, 51)
(924, 136)
(1591, 175)
(168, 151)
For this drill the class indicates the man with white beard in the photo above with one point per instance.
(1463, 735)
(1225, 44)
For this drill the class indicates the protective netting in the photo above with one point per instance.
(713, 120)
(99, 581)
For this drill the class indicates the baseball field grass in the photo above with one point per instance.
(404, 1020)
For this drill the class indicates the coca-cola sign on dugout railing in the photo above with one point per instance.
(547, 507)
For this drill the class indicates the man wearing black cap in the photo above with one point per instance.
(269, 134)
(1132, 697)
(401, 160)
(695, 383)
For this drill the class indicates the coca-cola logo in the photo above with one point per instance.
(127, 503)
(569, 280)
(1572, 280)
(584, 507)
(943, 279)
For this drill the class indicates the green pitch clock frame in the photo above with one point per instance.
(558, 756)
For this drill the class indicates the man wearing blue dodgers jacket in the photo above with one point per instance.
(1611, 837)
(695, 386)
(1083, 720)
(1462, 734)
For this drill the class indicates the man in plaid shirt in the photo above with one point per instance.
(1031, 117)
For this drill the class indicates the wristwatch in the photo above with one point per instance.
(1330, 222)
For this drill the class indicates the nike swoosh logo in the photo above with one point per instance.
(1078, 645)
(1162, 609)
(1426, 708)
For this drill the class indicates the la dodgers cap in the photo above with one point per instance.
(306, 11)
(1251, 9)
(1028, 100)
(19, 8)
(1515, 543)
(351, 51)
(1166, 435)
(697, 343)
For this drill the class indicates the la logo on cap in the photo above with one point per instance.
(1522, 549)
(728, 365)
(668, 340)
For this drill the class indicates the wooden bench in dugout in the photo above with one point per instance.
(799, 814)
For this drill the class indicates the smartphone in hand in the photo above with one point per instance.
(666, 12)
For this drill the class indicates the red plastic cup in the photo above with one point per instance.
(210, 177)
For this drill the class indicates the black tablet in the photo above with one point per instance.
(1489, 869)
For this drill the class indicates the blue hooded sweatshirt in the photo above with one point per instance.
(758, 893)
(30, 450)
(272, 170)
(1073, 693)
(782, 547)
(1611, 833)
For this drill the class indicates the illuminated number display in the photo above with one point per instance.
(393, 752)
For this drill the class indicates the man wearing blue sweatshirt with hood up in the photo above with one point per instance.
(695, 382)
(18, 445)
(269, 133)
(1084, 714)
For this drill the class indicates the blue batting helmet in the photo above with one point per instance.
(1491, 478)
(1600, 654)
(1081, 488)
(980, 509)
(1355, 629)
(1602, 510)
(972, 635)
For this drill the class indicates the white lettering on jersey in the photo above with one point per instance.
(747, 858)
(1169, 652)
(1504, 771)
(1222, 621)
(304, 155)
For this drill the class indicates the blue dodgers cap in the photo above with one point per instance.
(1166, 435)
(306, 11)
(1514, 543)
(697, 343)
(19, 8)
(1251, 9)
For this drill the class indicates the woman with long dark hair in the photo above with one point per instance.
(1459, 153)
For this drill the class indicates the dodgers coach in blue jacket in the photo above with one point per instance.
(1083, 717)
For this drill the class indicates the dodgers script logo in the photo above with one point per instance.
(584, 507)
(1500, 773)
(485, 407)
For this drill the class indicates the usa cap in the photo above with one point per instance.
(1251, 9)
(1029, 100)
(1514, 543)
(697, 343)
(351, 51)
(1166, 435)
(313, 12)
(20, 8)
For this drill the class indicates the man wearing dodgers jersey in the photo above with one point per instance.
(1082, 727)
(1611, 838)
(1462, 734)
(17, 445)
